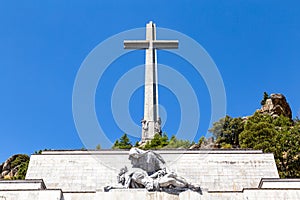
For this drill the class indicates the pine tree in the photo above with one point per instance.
(124, 143)
(266, 96)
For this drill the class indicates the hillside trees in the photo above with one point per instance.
(227, 131)
(162, 142)
(14, 167)
(158, 142)
(279, 136)
(263, 101)
(124, 143)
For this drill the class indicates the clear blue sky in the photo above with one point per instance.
(255, 45)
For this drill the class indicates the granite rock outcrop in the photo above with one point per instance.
(276, 105)
(10, 168)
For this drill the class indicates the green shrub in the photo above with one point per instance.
(22, 170)
(21, 158)
(124, 143)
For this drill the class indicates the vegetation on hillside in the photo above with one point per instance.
(227, 131)
(263, 101)
(22, 161)
(280, 136)
(158, 142)
(22, 170)
(163, 142)
(15, 167)
(122, 143)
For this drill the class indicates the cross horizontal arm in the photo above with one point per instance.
(144, 44)
(136, 44)
(165, 44)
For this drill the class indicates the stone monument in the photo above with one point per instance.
(230, 174)
(149, 171)
(151, 123)
(222, 174)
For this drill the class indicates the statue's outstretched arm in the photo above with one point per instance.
(158, 174)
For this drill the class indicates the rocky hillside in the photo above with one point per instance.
(227, 130)
(270, 129)
(14, 167)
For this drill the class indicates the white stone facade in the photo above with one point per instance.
(221, 174)
(213, 170)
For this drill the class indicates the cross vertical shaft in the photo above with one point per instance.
(151, 123)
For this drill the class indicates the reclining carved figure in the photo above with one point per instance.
(150, 172)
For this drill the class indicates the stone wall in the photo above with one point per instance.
(22, 184)
(218, 170)
(30, 194)
(288, 183)
(222, 174)
(137, 194)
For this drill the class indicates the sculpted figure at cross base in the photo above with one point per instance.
(150, 172)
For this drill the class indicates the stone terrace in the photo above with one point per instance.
(213, 170)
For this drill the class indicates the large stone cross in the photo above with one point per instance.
(151, 124)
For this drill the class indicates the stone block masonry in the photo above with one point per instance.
(222, 174)
(215, 170)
